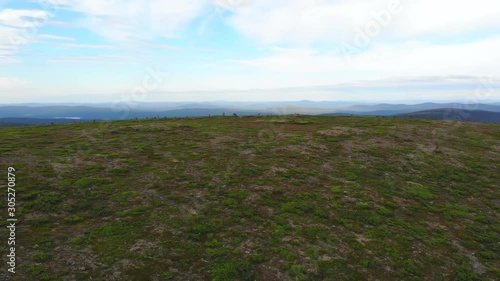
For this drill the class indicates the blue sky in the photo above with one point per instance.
(205, 50)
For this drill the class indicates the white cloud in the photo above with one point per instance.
(9, 84)
(233, 4)
(104, 59)
(311, 21)
(86, 46)
(7, 35)
(55, 37)
(23, 18)
(446, 17)
(17, 28)
(465, 89)
(137, 19)
(387, 60)
(296, 21)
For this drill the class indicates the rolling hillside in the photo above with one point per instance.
(255, 198)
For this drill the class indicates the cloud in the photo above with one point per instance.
(446, 17)
(86, 46)
(17, 28)
(8, 84)
(296, 21)
(386, 60)
(103, 59)
(465, 89)
(136, 19)
(23, 18)
(55, 37)
(420, 83)
(313, 21)
(166, 47)
(233, 4)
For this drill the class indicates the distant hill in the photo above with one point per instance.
(8, 124)
(367, 113)
(13, 121)
(456, 114)
(405, 108)
(200, 112)
(91, 113)
(201, 109)
(485, 113)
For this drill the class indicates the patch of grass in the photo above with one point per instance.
(420, 192)
(232, 270)
(40, 257)
(38, 272)
(87, 182)
(71, 219)
(167, 276)
(45, 202)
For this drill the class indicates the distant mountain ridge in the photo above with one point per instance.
(92, 113)
(15, 121)
(40, 114)
(456, 114)
(405, 108)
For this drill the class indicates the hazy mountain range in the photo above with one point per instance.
(454, 114)
(67, 113)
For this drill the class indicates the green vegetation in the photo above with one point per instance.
(257, 198)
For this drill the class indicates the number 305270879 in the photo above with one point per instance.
(11, 196)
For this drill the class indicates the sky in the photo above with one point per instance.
(249, 50)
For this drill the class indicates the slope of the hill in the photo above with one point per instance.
(255, 198)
